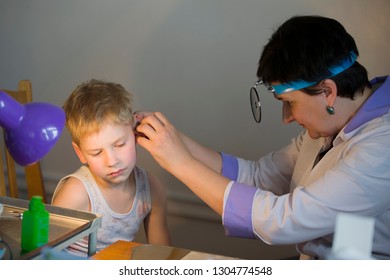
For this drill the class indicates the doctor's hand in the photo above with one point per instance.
(161, 139)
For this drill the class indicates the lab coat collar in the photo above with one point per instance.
(375, 106)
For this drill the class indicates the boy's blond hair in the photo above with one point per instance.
(94, 104)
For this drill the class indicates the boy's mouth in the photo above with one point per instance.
(116, 173)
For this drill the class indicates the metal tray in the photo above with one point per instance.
(66, 227)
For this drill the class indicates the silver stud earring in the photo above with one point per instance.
(330, 110)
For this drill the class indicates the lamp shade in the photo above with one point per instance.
(31, 130)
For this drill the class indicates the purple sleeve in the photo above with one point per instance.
(237, 216)
(229, 166)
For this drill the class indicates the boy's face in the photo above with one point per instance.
(109, 153)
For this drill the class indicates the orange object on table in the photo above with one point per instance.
(125, 250)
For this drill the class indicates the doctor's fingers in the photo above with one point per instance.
(156, 132)
(163, 144)
(152, 120)
(158, 121)
(162, 118)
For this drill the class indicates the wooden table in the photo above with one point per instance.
(125, 250)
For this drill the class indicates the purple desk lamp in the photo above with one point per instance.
(31, 129)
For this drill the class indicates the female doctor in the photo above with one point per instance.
(340, 163)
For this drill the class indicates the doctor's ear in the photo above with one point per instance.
(329, 87)
(330, 91)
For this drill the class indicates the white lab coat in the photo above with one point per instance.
(283, 199)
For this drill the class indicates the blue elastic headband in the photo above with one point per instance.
(334, 70)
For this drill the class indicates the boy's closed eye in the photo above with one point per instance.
(119, 145)
(95, 154)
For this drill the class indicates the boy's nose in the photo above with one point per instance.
(111, 158)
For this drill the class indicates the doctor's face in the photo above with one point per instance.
(309, 111)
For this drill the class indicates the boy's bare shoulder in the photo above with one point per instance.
(72, 194)
(157, 189)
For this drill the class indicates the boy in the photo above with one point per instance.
(100, 120)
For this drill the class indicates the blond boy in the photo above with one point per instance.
(100, 120)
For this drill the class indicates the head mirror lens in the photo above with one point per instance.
(255, 104)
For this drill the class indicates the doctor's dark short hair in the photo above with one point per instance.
(304, 47)
(94, 104)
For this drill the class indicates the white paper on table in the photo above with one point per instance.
(193, 255)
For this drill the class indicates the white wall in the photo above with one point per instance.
(193, 60)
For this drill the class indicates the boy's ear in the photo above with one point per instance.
(137, 117)
(79, 153)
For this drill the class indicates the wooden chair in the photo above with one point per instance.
(33, 175)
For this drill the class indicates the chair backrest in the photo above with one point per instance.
(33, 173)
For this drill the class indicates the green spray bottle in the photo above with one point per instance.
(35, 225)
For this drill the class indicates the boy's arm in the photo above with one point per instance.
(72, 194)
(156, 223)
